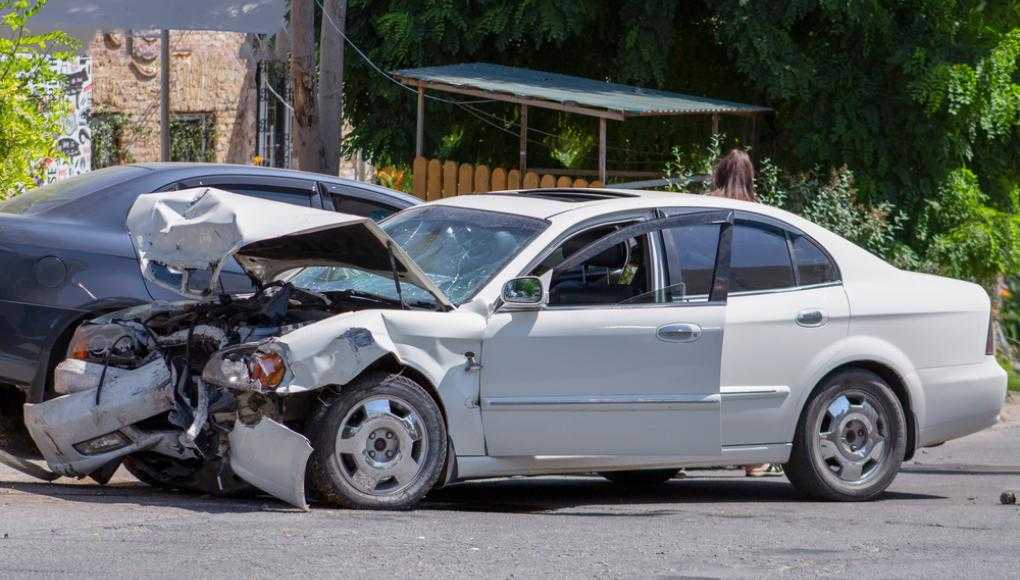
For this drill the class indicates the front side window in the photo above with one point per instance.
(760, 259)
(459, 249)
(691, 262)
(271, 193)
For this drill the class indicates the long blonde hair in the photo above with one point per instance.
(733, 176)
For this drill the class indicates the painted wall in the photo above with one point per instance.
(75, 139)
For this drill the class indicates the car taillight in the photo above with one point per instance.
(990, 342)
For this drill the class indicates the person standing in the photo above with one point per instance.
(733, 177)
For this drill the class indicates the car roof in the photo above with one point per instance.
(567, 203)
(183, 170)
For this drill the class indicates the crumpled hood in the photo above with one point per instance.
(184, 238)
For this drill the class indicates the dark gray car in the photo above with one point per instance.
(66, 256)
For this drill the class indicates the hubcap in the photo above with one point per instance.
(381, 445)
(850, 437)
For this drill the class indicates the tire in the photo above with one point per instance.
(850, 439)
(381, 443)
(641, 477)
(195, 476)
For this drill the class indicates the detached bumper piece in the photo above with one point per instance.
(77, 436)
(272, 458)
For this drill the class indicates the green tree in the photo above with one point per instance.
(31, 105)
(920, 99)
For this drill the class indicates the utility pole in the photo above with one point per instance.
(164, 95)
(306, 138)
(331, 83)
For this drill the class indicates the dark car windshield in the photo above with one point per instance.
(459, 249)
(67, 190)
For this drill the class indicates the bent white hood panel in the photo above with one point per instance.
(197, 230)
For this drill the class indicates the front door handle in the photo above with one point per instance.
(679, 332)
(811, 317)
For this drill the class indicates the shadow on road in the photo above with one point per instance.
(539, 494)
(143, 495)
(512, 495)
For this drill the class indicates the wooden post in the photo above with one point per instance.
(164, 95)
(419, 143)
(524, 140)
(715, 124)
(602, 149)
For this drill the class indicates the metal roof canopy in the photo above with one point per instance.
(531, 88)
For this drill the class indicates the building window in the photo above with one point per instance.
(193, 137)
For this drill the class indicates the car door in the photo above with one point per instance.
(616, 363)
(785, 308)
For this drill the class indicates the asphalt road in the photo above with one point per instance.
(940, 518)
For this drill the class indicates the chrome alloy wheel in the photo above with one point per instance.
(381, 445)
(851, 437)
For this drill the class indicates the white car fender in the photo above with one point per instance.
(336, 350)
(853, 349)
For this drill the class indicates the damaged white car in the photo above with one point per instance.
(538, 332)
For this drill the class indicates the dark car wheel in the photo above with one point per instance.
(640, 477)
(850, 439)
(167, 473)
(379, 444)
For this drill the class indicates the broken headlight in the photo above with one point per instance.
(245, 368)
(116, 344)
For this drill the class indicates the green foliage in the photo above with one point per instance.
(658, 43)
(192, 138)
(690, 170)
(31, 105)
(108, 130)
(920, 99)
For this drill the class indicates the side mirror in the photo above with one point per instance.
(523, 291)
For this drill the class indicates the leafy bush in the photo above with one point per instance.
(108, 130)
(31, 91)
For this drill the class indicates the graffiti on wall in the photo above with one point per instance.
(75, 140)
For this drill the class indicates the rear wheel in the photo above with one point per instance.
(640, 477)
(380, 444)
(850, 440)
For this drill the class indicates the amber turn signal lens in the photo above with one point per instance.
(268, 369)
(79, 348)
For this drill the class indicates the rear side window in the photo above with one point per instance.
(363, 208)
(692, 257)
(281, 194)
(813, 265)
(760, 259)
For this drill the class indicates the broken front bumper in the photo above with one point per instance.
(78, 434)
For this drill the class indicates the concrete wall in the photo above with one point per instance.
(211, 73)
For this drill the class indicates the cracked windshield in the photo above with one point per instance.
(460, 250)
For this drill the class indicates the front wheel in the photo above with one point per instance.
(380, 444)
(850, 439)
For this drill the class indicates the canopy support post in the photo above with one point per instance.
(419, 142)
(602, 150)
(715, 124)
(164, 95)
(523, 161)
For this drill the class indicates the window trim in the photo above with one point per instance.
(654, 221)
(788, 229)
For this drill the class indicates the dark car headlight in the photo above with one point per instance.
(116, 344)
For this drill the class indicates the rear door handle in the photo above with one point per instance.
(811, 317)
(680, 332)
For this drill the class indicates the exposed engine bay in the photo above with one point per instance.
(161, 387)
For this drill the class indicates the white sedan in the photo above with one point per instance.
(536, 332)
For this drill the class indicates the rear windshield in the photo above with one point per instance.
(58, 193)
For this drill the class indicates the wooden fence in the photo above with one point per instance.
(434, 179)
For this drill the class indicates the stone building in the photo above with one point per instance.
(213, 94)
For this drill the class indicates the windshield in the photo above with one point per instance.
(67, 190)
(459, 249)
